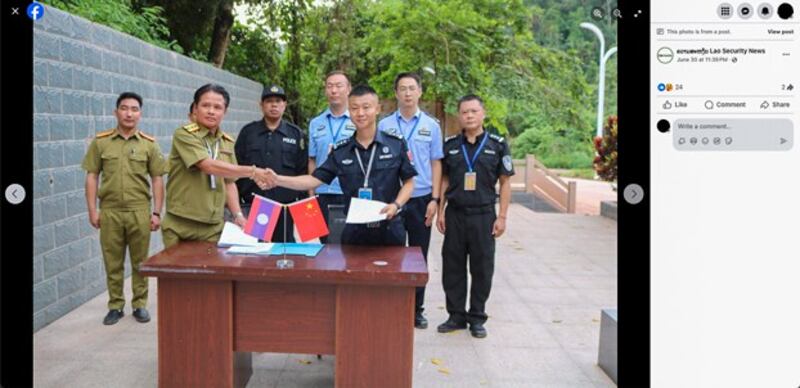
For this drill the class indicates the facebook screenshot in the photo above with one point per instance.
(395, 193)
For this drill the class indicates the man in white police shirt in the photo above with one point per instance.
(424, 138)
(473, 162)
(325, 130)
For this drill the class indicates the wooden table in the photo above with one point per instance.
(214, 309)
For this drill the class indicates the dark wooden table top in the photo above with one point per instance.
(334, 264)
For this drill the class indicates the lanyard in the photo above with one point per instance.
(414, 128)
(369, 164)
(471, 163)
(335, 136)
(212, 179)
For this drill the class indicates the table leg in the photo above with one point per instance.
(374, 336)
(195, 335)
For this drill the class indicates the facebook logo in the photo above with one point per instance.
(35, 11)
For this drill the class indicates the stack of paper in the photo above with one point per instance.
(364, 211)
(258, 249)
(233, 235)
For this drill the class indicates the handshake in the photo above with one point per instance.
(265, 178)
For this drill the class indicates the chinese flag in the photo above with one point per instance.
(308, 218)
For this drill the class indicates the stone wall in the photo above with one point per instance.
(79, 70)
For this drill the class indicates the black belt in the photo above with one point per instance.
(469, 210)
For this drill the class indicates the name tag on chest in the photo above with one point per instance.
(290, 140)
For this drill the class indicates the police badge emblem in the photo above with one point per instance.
(507, 163)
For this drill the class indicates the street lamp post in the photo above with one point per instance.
(601, 74)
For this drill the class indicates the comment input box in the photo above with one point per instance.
(732, 134)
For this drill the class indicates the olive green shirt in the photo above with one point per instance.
(124, 166)
(189, 192)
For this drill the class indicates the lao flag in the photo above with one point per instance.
(308, 218)
(263, 218)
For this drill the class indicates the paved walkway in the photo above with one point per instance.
(553, 274)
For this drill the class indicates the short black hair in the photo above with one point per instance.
(470, 97)
(408, 74)
(337, 72)
(127, 95)
(212, 88)
(362, 90)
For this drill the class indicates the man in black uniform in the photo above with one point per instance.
(473, 162)
(276, 144)
(371, 165)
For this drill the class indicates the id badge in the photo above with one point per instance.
(365, 193)
(470, 181)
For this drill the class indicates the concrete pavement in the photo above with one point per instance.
(554, 273)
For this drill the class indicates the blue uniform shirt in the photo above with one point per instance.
(424, 139)
(322, 135)
(390, 167)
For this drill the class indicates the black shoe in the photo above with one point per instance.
(451, 325)
(141, 315)
(477, 330)
(419, 321)
(113, 317)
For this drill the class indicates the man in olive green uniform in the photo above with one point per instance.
(124, 157)
(203, 172)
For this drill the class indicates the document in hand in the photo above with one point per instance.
(234, 235)
(364, 211)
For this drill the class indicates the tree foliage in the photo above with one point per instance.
(147, 23)
(533, 65)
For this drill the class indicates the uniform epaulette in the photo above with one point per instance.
(499, 138)
(227, 137)
(451, 137)
(191, 127)
(394, 135)
(341, 143)
(104, 133)
(146, 136)
(431, 116)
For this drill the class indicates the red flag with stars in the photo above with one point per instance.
(307, 216)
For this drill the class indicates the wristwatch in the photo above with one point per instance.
(435, 199)
(157, 214)
(397, 204)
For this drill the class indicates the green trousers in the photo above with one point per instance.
(121, 229)
(175, 229)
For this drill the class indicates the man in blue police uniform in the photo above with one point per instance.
(276, 144)
(424, 139)
(473, 162)
(370, 165)
(324, 131)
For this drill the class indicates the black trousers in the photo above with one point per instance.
(419, 235)
(277, 235)
(324, 201)
(385, 233)
(468, 235)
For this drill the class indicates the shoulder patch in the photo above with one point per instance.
(341, 143)
(104, 133)
(227, 137)
(146, 136)
(191, 127)
(451, 137)
(498, 138)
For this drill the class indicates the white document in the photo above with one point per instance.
(232, 235)
(258, 249)
(364, 211)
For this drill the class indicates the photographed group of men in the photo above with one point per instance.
(401, 160)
